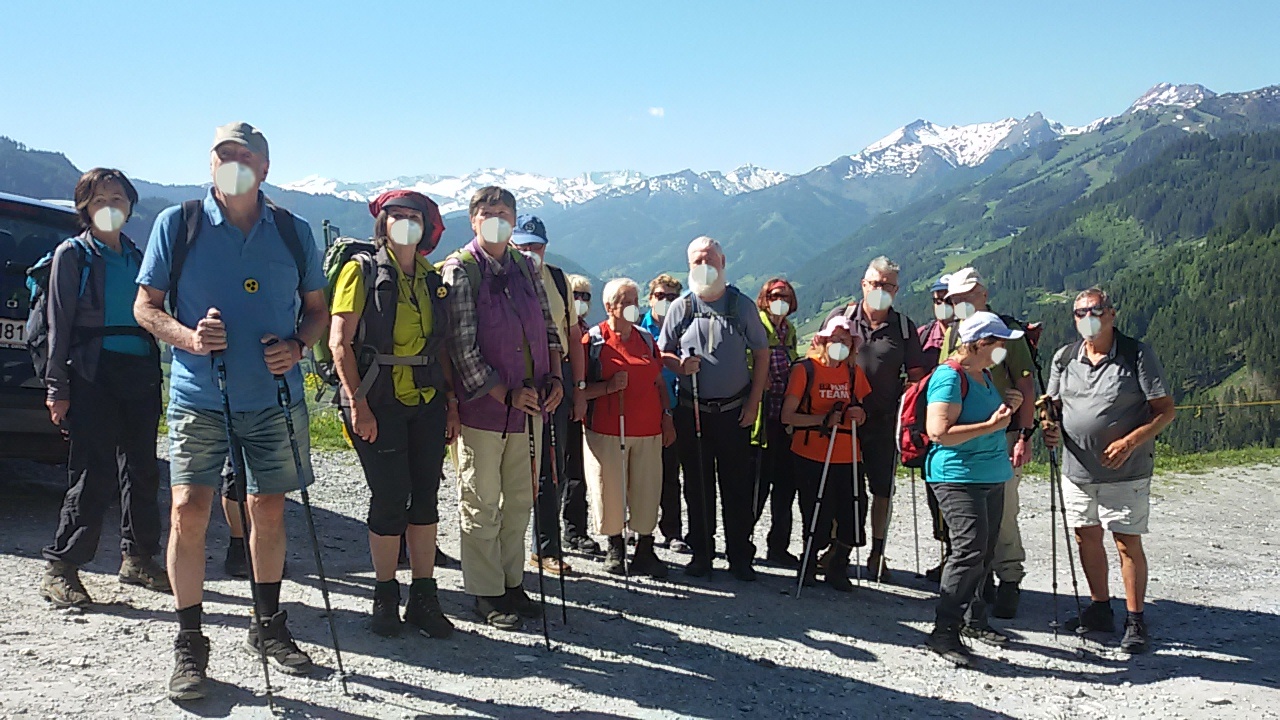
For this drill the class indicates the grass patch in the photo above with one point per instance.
(326, 429)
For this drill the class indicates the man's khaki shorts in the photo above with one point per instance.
(1121, 507)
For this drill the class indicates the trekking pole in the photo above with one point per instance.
(1066, 533)
(626, 500)
(915, 520)
(555, 484)
(756, 509)
(857, 509)
(710, 539)
(284, 397)
(237, 466)
(537, 525)
(817, 507)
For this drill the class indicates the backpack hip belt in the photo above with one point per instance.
(378, 361)
(715, 406)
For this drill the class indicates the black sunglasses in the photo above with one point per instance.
(666, 296)
(582, 296)
(1095, 310)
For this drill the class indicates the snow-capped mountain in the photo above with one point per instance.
(1168, 94)
(535, 191)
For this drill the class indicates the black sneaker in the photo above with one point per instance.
(233, 565)
(519, 602)
(582, 544)
(986, 634)
(190, 660)
(743, 572)
(1135, 638)
(1005, 606)
(697, 567)
(615, 558)
(385, 620)
(945, 641)
(782, 559)
(278, 643)
(423, 611)
(645, 561)
(61, 586)
(492, 611)
(144, 571)
(1097, 617)
(934, 574)
(679, 547)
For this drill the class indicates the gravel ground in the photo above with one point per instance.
(708, 648)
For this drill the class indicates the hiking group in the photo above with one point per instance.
(486, 358)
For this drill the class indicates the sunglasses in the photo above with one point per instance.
(779, 296)
(1095, 310)
(582, 296)
(941, 301)
(882, 285)
(665, 296)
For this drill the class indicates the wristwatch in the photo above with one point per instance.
(581, 385)
(1026, 433)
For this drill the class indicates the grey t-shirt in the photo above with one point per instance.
(1101, 404)
(723, 346)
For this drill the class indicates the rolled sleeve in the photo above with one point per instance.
(469, 368)
(1054, 389)
(157, 257)
(313, 279)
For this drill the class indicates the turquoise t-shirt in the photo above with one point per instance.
(119, 291)
(984, 459)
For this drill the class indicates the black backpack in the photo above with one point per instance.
(192, 217)
(37, 330)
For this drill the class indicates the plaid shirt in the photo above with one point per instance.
(469, 367)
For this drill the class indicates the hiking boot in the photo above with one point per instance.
(278, 644)
(697, 567)
(582, 544)
(550, 565)
(190, 660)
(1005, 606)
(1097, 617)
(824, 558)
(386, 610)
(490, 609)
(1135, 638)
(986, 634)
(423, 610)
(837, 575)
(646, 561)
(233, 565)
(945, 641)
(810, 568)
(519, 602)
(615, 557)
(878, 568)
(782, 559)
(62, 587)
(144, 571)
(742, 571)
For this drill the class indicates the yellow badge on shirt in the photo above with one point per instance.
(251, 285)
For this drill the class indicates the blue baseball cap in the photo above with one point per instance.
(528, 231)
(941, 284)
(984, 325)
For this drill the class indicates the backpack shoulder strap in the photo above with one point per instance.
(1068, 353)
(904, 324)
(964, 377)
(191, 217)
(562, 287)
(648, 339)
(288, 229)
(806, 402)
(1128, 349)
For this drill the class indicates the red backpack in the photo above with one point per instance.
(913, 439)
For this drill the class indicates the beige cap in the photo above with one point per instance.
(244, 134)
(962, 281)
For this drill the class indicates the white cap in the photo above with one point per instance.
(962, 281)
(984, 325)
(839, 321)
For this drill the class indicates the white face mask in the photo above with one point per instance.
(998, 355)
(702, 278)
(964, 310)
(660, 307)
(537, 261)
(404, 231)
(944, 312)
(233, 178)
(581, 306)
(1089, 327)
(631, 313)
(779, 308)
(108, 219)
(495, 231)
(838, 352)
(879, 299)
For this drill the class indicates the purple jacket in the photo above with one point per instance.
(492, 326)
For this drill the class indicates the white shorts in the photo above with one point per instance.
(1121, 507)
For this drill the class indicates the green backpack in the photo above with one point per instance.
(342, 251)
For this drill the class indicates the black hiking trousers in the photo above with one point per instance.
(574, 481)
(112, 424)
(670, 522)
(549, 501)
(726, 453)
(777, 486)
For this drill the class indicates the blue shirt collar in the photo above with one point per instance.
(213, 211)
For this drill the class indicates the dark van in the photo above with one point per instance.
(28, 229)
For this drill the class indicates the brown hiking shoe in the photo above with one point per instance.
(62, 587)
(190, 660)
(144, 571)
(878, 568)
(551, 565)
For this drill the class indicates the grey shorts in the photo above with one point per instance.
(1121, 507)
(198, 448)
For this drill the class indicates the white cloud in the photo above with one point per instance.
(658, 112)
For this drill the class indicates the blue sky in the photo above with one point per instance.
(369, 91)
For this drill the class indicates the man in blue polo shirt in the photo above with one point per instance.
(238, 300)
